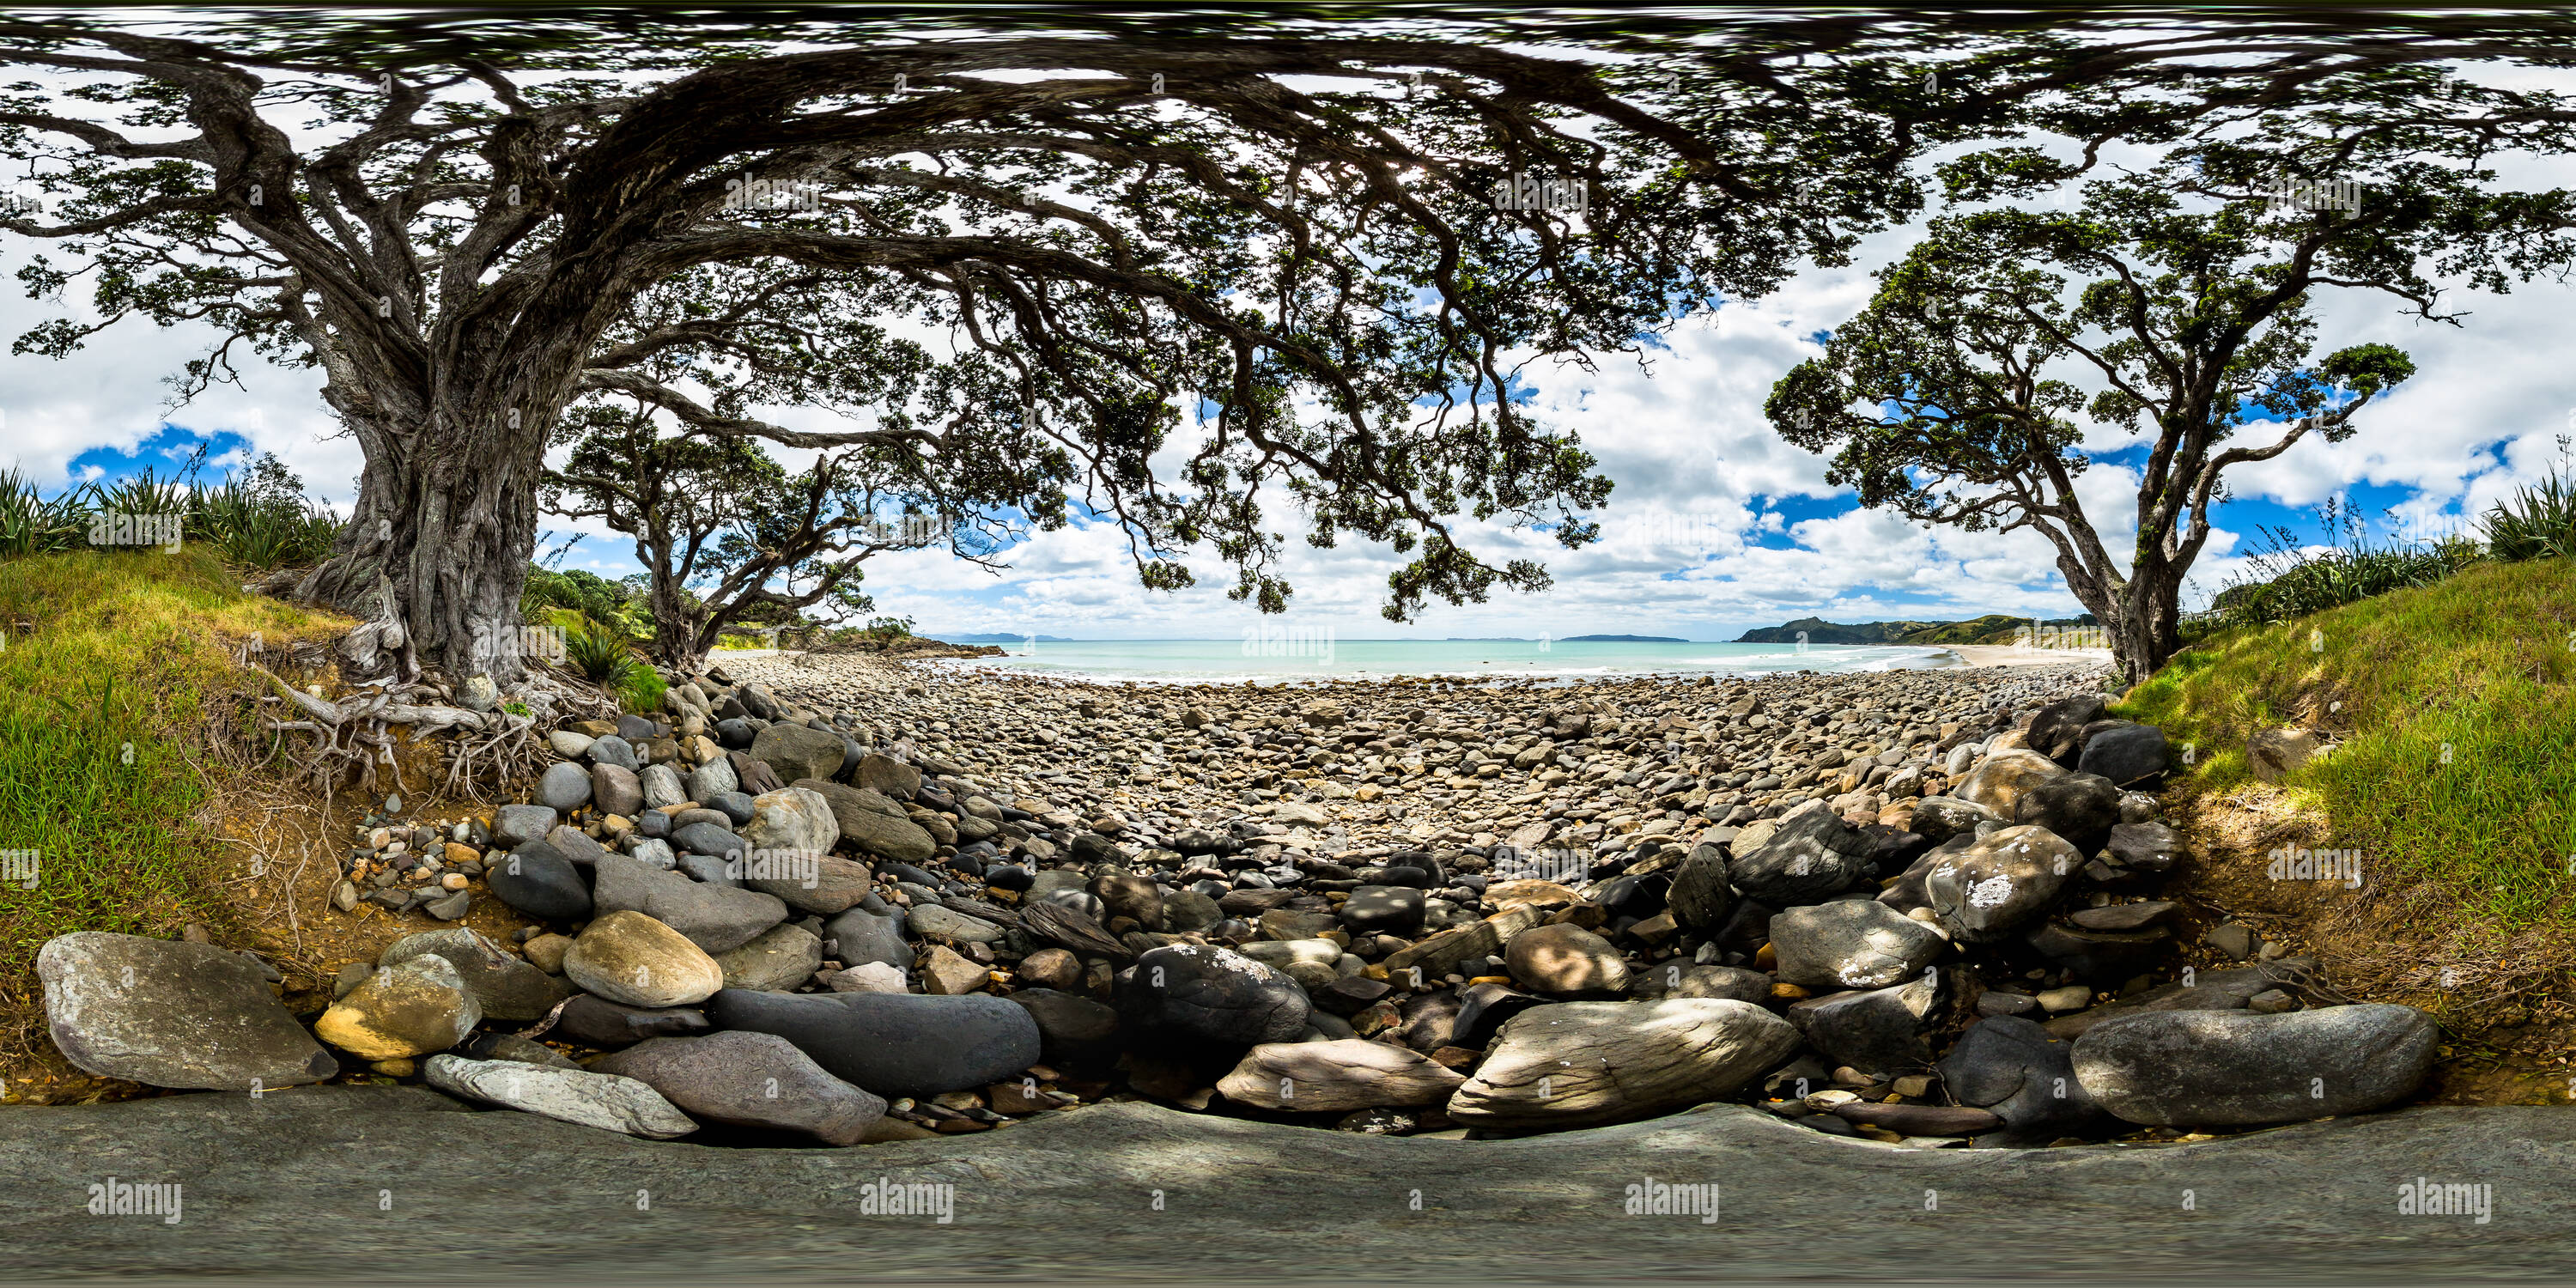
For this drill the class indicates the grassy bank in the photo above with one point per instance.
(112, 667)
(2453, 704)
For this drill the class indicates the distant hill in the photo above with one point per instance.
(1621, 639)
(1993, 628)
(990, 638)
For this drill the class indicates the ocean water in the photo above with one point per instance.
(1275, 658)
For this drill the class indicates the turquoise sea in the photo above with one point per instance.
(1288, 656)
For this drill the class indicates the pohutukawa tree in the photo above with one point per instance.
(1287, 245)
(2181, 296)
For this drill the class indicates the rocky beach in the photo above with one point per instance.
(838, 899)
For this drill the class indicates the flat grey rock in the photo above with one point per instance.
(576, 1096)
(171, 1014)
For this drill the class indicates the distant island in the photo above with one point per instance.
(1993, 628)
(991, 638)
(1621, 639)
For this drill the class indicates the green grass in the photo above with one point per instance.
(122, 651)
(2481, 665)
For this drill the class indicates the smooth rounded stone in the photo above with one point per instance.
(1214, 994)
(662, 787)
(783, 957)
(713, 779)
(1050, 968)
(860, 936)
(708, 870)
(575, 845)
(631, 958)
(596, 1022)
(887, 837)
(411, 1008)
(1938, 818)
(616, 750)
(1009, 876)
(1851, 943)
(1810, 855)
(2127, 756)
(2057, 730)
(1880, 1030)
(545, 952)
(2077, 805)
(538, 880)
(1999, 881)
(1565, 959)
(2146, 847)
(1998, 782)
(171, 1014)
(516, 825)
(750, 1080)
(2241, 1068)
(1282, 923)
(867, 977)
(1336, 1077)
(934, 922)
(1071, 1029)
(570, 745)
(655, 854)
(707, 838)
(1580, 1064)
(1185, 911)
(1310, 962)
(793, 751)
(1054, 879)
(1700, 897)
(796, 819)
(1126, 894)
(1681, 979)
(734, 734)
(1383, 909)
(735, 806)
(637, 729)
(565, 787)
(2013, 1068)
(894, 1044)
(578, 1096)
(617, 790)
(830, 886)
(1919, 1120)
(717, 918)
(887, 775)
(503, 986)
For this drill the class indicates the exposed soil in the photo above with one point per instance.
(2506, 1001)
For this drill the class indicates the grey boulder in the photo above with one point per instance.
(894, 1044)
(750, 1080)
(715, 918)
(1851, 943)
(503, 986)
(1211, 993)
(1999, 882)
(783, 957)
(578, 1096)
(2239, 1068)
(1576, 1064)
(1810, 855)
(170, 1014)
